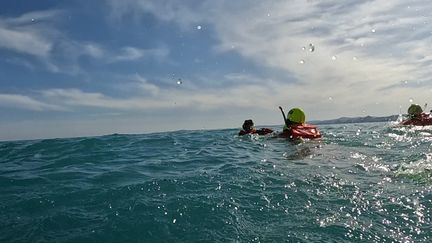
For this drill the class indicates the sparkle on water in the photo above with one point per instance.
(368, 182)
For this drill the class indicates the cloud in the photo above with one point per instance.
(363, 53)
(167, 11)
(360, 47)
(40, 35)
(45, 16)
(25, 41)
(78, 98)
(34, 38)
(152, 97)
(145, 86)
(21, 62)
(132, 53)
(27, 103)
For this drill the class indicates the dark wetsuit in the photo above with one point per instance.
(262, 131)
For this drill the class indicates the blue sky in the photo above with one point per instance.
(79, 68)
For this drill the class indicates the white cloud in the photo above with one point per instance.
(39, 35)
(153, 97)
(91, 50)
(132, 53)
(26, 103)
(361, 48)
(24, 41)
(364, 51)
(21, 62)
(179, 12)
(30, 33)
(129, 53)
(34, 17)
(145, 86)
(78, 98)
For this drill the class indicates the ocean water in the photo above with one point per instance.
(362, 182)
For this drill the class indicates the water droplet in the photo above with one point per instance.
(268, 15)
(354, 58)
(311, 47)
(373, 30)
(334, 58)
(302, 61)
(179, 81)
(174, 221)
(303, 48)
(330, 98)
(198, 27)
(32, 20)
(411, 100)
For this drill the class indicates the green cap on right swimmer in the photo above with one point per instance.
(414, 110)
(296, 115)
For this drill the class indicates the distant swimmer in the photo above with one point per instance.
(295, 126)
(416, 117)
(248, 128)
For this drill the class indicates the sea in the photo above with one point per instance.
(365, 182)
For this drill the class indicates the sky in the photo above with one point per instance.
(85, 68)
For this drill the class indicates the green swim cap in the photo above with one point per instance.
(414, 109)
(296, 115)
